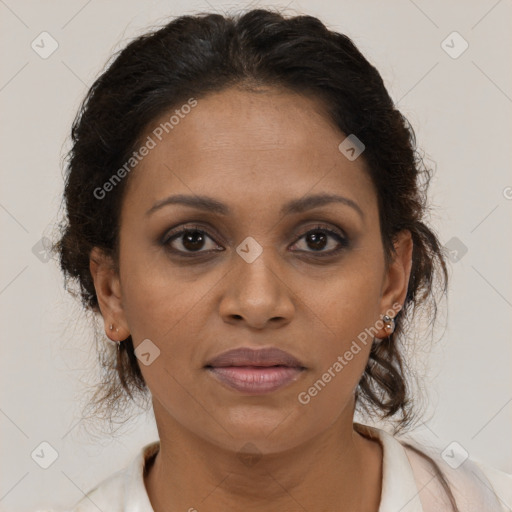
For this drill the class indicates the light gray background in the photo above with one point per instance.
(461, 112)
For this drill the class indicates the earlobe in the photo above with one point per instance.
(108, 291)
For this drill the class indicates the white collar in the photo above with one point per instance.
(399, 489)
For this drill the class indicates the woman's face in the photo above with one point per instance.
(255, 278)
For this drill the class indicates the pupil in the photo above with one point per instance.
(191, 239)
(318, 240)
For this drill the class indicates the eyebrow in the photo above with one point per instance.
(294, 206)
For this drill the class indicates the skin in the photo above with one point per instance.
(253, 151)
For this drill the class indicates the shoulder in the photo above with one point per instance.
(476, 486)
(123, 491)
(107, 495)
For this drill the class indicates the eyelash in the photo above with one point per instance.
(173, 235)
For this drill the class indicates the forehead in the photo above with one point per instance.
(247, 143)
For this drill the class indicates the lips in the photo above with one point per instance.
(255, 372)
(255, 357)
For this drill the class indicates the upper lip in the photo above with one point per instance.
(246, 356)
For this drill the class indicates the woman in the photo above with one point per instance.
(245, 211)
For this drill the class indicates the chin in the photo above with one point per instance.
(271, 431)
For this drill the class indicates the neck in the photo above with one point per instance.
(338, 470)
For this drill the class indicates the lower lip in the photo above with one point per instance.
(256, 379)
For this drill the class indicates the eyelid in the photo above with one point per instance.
(299, 233)
(333, 231)
(207, 230)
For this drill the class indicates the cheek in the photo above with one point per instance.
(167, 315)
(165, 312)
(350, 302)
(164, 309)
(344, 312)
(154, 300)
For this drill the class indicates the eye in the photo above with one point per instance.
(188, 240)
(318, 239)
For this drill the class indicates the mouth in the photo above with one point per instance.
(255, 372)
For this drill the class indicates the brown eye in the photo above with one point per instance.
(189, 240)
(317, 240)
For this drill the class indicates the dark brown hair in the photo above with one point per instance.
(193, 56)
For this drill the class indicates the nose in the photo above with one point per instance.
(257, 293)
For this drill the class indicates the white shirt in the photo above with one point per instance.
(409, 483)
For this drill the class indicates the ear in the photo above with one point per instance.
(108, 290)
(396, 278)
